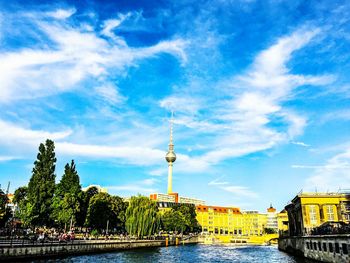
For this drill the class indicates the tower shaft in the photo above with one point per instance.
(170, 177)
(170, 157)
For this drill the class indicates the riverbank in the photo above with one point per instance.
(49, 250)
(323, 248)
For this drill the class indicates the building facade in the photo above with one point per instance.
(218, 220)
(310, 210)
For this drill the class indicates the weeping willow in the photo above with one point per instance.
(142, 217)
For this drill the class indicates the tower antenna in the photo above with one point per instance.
(170, 157)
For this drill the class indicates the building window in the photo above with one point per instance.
(216, 230)
(330, 213)
(331, 247)
(312, 213)
(315, 246)
(325, 247)
(337, 248)
(344, 248)
(319, 246)
(307, 245)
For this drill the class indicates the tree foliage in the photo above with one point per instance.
(20, 194)
(142, 217)
(68, 197)
(41, 186)
(104, 207)
(174, 221)
(189, 212)
(5, 212)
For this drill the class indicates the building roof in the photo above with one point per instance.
(218, 209)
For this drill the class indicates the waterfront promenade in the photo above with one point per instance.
(17, 249)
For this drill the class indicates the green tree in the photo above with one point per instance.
(189, 212)
(174, 221)
(84, 206)
(41, 187)
(20, 194)
(104, 207)
(68, 196)
(142, 217)
(5, 211)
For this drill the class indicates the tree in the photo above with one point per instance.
(189, 212)
(104, 207)
(41, 186)
(68, 196)
(84, 206)
(174, 221)
(142, 217)
(21, 199)
(20, 194)
(5, 211)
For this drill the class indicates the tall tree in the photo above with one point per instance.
(85, 200)
(5, 211)
(41, 186)
(142, 217)
(174, 221)
(104, 207)
(20, 194)
(68, 196)
(189, 212)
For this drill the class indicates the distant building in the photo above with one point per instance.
(220, 220)
(309, 210)
(272, 222)
(254, 223)
(99, 188)
(282, 220)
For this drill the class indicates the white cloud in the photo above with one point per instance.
(11, 134)
(239, 191)
(110, 93)
(128, 154)
(301, 144)
(331, 176)
(75, 56)
(62, 13)
(142, 187)
(252, 116)
(7, 158)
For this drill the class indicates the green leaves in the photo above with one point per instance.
(104, 207)
(68, 197)
(42, 186)
(142, 217)
(181, 217)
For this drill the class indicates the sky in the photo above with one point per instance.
(260, 92)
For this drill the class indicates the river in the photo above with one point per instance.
(192, 254)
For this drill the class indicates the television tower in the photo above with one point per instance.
(170, 157)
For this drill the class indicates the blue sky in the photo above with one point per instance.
(260, 90)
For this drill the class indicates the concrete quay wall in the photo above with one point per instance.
(332, 249)
(79, 248)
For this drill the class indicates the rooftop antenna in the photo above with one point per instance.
(8, 188)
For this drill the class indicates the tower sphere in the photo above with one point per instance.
(170, 157)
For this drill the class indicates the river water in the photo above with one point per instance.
(192, 254)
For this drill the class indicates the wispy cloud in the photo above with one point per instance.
(331, 176)
(76, 55)
(141, 187)
(238, 191)
(301, 144)
(252, 116)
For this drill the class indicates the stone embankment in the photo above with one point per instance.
(51, 250)
(327, 248)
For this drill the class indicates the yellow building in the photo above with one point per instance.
(282, 220)
(220, 221)
(254, 223)
(309, 210)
